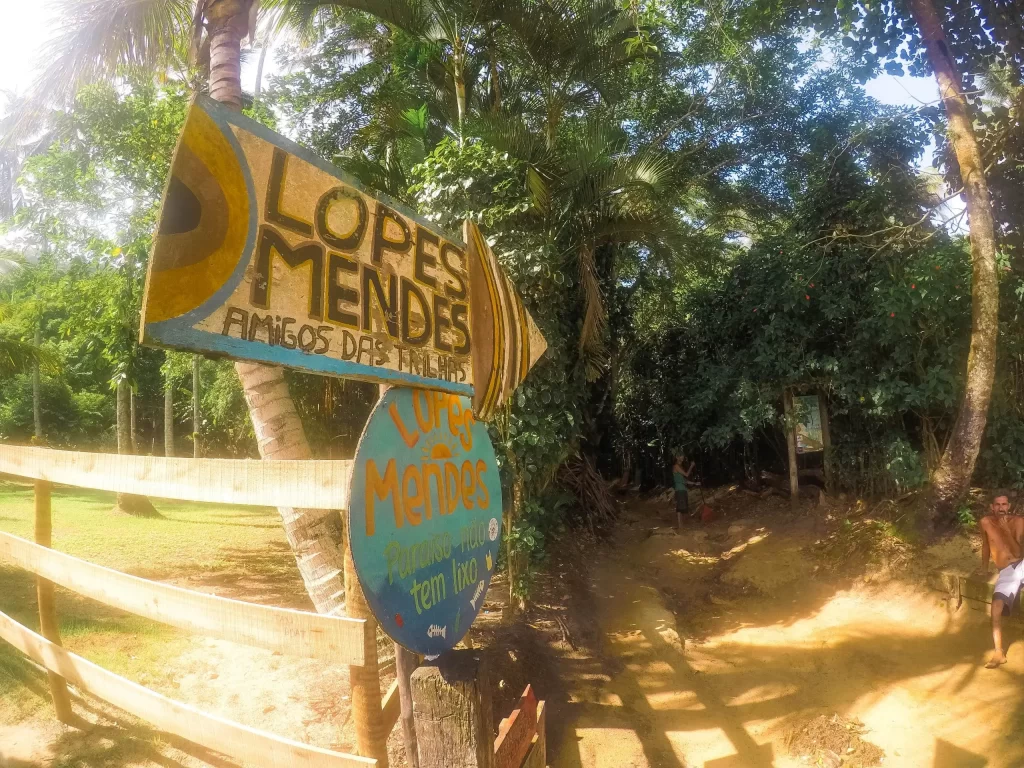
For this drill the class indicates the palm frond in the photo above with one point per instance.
(408, 15)
(97, 39)
(19, 356)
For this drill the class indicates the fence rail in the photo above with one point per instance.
(313, 484)
(254, 747)
(338, 639)
(344, 640)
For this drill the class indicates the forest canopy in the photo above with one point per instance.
(699, 203)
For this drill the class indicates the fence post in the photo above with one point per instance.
(794, 471)
(371, 733)
(826, 442)
(452, 708)
(48, 626)
(405, 664)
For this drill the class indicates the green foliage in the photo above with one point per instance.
(698, 209)
(71, 419)
(965, 517)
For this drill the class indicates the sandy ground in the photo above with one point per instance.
(708, 648)
(716, 645)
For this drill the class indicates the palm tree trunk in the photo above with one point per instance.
(953, 475)
(460, 86)
(495, 82)
(37, 407)
(315, 535)
(228, 21)
(258, 88)
(168, 417)
(128, 503)
(196, 451)
(460, 102)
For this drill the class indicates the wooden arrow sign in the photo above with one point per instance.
(266, 252)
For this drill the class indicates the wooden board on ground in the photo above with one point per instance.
(516, 732)
(975, 593)
(537, 757)
(312, 484)
(334, 638)
(391, 707)
(266, 252)
(253, 747)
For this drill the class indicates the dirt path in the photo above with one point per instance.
(716, 646)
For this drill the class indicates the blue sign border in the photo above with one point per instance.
(425, 517)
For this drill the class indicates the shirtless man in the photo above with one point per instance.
(1002, 537)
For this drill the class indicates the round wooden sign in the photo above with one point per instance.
(425, 517)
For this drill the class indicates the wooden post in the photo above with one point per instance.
(405, 664)
(826, 442)
(168, 418)
(452, 707)
(196, 452)
(794, 472)
(48, 626)
(371, 732)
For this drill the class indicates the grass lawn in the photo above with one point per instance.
(238, 552)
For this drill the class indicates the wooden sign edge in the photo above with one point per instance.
(179, 333)
(210, 345)
(348, 527)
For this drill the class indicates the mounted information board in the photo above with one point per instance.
(425, 517)
(266, 252)
(808, 425)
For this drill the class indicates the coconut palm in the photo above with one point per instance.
(98, 39)
(592, 194)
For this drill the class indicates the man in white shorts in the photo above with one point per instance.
(1002, 537)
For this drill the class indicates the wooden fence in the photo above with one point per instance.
(334, 639)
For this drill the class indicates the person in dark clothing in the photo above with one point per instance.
(680, 474)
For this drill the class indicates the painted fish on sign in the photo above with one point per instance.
(266, 252)
(425, 517)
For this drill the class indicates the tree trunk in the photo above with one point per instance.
(794, 470)
(258, 88)
(196, 416)
(168, 417)
(37, 407)
(315, 535)
(495, 83)
(227, 25)
(131, 422)
(128, 503)
(460, 102)
(459, 75)
(953, 476)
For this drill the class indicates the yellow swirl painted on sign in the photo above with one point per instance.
(206, 219)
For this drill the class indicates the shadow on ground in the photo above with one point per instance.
(613, 663)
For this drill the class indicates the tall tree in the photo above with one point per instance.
(956, 43)
(953, 476)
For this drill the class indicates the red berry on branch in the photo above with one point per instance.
(892, 314)
(913, 286)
